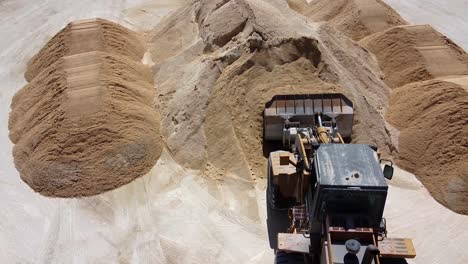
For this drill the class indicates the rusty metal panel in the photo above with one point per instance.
(309, 108)
(290, 106)
(293, 242)
(299, 107)
(397, 248)
(336, 105)
(318, 106)
(327, 105)
(281, 106)
(346, 108)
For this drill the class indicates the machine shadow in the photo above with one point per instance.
(277, 222)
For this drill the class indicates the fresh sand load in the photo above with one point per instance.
(83, 36)
(415, 53)
(85, 124)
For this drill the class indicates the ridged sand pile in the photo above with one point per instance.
(84, 36)
(429, 106)
(86, 123)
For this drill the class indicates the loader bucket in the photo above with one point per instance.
(302, 110)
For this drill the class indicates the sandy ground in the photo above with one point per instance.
(168, 216)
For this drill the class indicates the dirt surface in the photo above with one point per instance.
(356, 18)
(415, 53)
(85, 124)
(84, 36)
(433, 142)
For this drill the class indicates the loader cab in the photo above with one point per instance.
(349, 187)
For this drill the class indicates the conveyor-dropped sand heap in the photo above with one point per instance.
(86, 123)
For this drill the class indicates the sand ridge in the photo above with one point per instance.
(83, 36)
(426, 71)
(431, 116)
(85, 124)
(356, 18)
(415, 53)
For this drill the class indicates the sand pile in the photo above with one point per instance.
(234, 113)
(416, 53)
(433, 143)
(83, 36)
(218, 62)
(430, 113)
(85, 124)
(355, 18)
(230, 58)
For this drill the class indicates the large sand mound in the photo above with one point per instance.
(433, 142)
(234, 113)
(84, 36)
(355, 18)
(215, 79)
(85, 125)
(416, 53)
(430, 113)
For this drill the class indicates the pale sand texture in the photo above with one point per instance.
(176, 215)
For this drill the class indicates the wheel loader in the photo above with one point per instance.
(325, 198)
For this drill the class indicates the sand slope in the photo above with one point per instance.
(356, 18)
(433, 142)
(84, 36)
(234, 113)
(446, 17)
(430, 113)
(415, 53)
